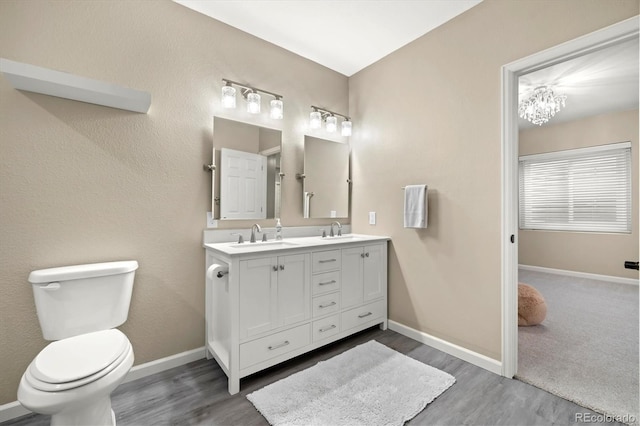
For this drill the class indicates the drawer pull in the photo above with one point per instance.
(327, 305)
(327, 260)
(331, 327)
(281, 345)
(328, 282)
(365, 315)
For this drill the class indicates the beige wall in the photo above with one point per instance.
(596, 253)
(430, 113)
(83, 183)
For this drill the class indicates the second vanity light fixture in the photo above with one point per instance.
(331, 121)
(253, 99)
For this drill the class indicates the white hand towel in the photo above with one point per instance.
(415, 206)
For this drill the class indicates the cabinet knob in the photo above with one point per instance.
(275, 268)
(362, 255)
(366, 254)
(282, 267)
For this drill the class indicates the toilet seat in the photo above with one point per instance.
(76, 361)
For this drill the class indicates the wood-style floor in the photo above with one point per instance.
(196, 393)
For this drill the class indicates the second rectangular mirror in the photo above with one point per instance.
(326, 181)
(247, 181)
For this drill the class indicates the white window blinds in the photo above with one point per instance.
(587, 189)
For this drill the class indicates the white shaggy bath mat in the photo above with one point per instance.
(368, 385)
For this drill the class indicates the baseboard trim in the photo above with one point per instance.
(162, 364)
(610, 278)
(14, 409)
(11, 411)
(464, 354)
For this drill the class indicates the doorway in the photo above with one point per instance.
(606, 37)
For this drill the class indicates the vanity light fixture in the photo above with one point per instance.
(315, 120)
(228, 96)
(346, 128)
(253, 99)
(330, 118)
(253, 102)
(276, 112)
(331, 123)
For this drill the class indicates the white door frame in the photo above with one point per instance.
(608, 36)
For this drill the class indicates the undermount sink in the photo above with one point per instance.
(259, 244)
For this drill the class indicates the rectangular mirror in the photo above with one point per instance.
(247, 178)
(326, 178)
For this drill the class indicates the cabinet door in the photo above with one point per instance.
(258, 290)
(372, 272)
(352, 276)
(293, 297)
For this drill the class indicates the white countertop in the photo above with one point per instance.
(235, 249)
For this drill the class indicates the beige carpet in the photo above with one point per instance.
(586, 350)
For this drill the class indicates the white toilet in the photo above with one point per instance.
(78, 306)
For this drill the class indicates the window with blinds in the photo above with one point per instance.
(586, 189)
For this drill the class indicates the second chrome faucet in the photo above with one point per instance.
(255, 227)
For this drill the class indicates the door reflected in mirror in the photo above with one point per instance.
(326, 179)
(247, 181)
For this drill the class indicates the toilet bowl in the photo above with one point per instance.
(72, 379)
(78, 308)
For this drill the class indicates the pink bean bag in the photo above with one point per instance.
(532, 309)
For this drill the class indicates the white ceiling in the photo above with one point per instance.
(600, 82)
(349, 35)
(345, 36)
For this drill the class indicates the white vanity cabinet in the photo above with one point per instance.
(272, 303)
(362, 274)
(274, 292)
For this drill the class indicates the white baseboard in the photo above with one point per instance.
(14, 409)
(464, 354)
(609, 278)
(11, 411)
(162, 364)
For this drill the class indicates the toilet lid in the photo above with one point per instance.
(77, 357)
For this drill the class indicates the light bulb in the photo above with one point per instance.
(315, 120)
(253, 103)
(276, 109)
(332, 123)
(228, 97)
(346, 128)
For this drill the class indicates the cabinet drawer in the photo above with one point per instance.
(326, 260)
(326, 327)
(326, 282)
(363, 314)
(326, 304)
(271, 346)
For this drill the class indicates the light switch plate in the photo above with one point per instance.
(372, 218)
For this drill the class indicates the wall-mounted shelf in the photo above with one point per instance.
(64, 85)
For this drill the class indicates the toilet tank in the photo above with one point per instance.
(72, 300)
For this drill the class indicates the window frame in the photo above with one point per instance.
(578, 217)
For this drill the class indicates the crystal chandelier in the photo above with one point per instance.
(541, 105)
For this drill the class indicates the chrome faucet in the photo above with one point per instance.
(255, 227)
(331, 234)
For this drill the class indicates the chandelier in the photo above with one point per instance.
(541, 105)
